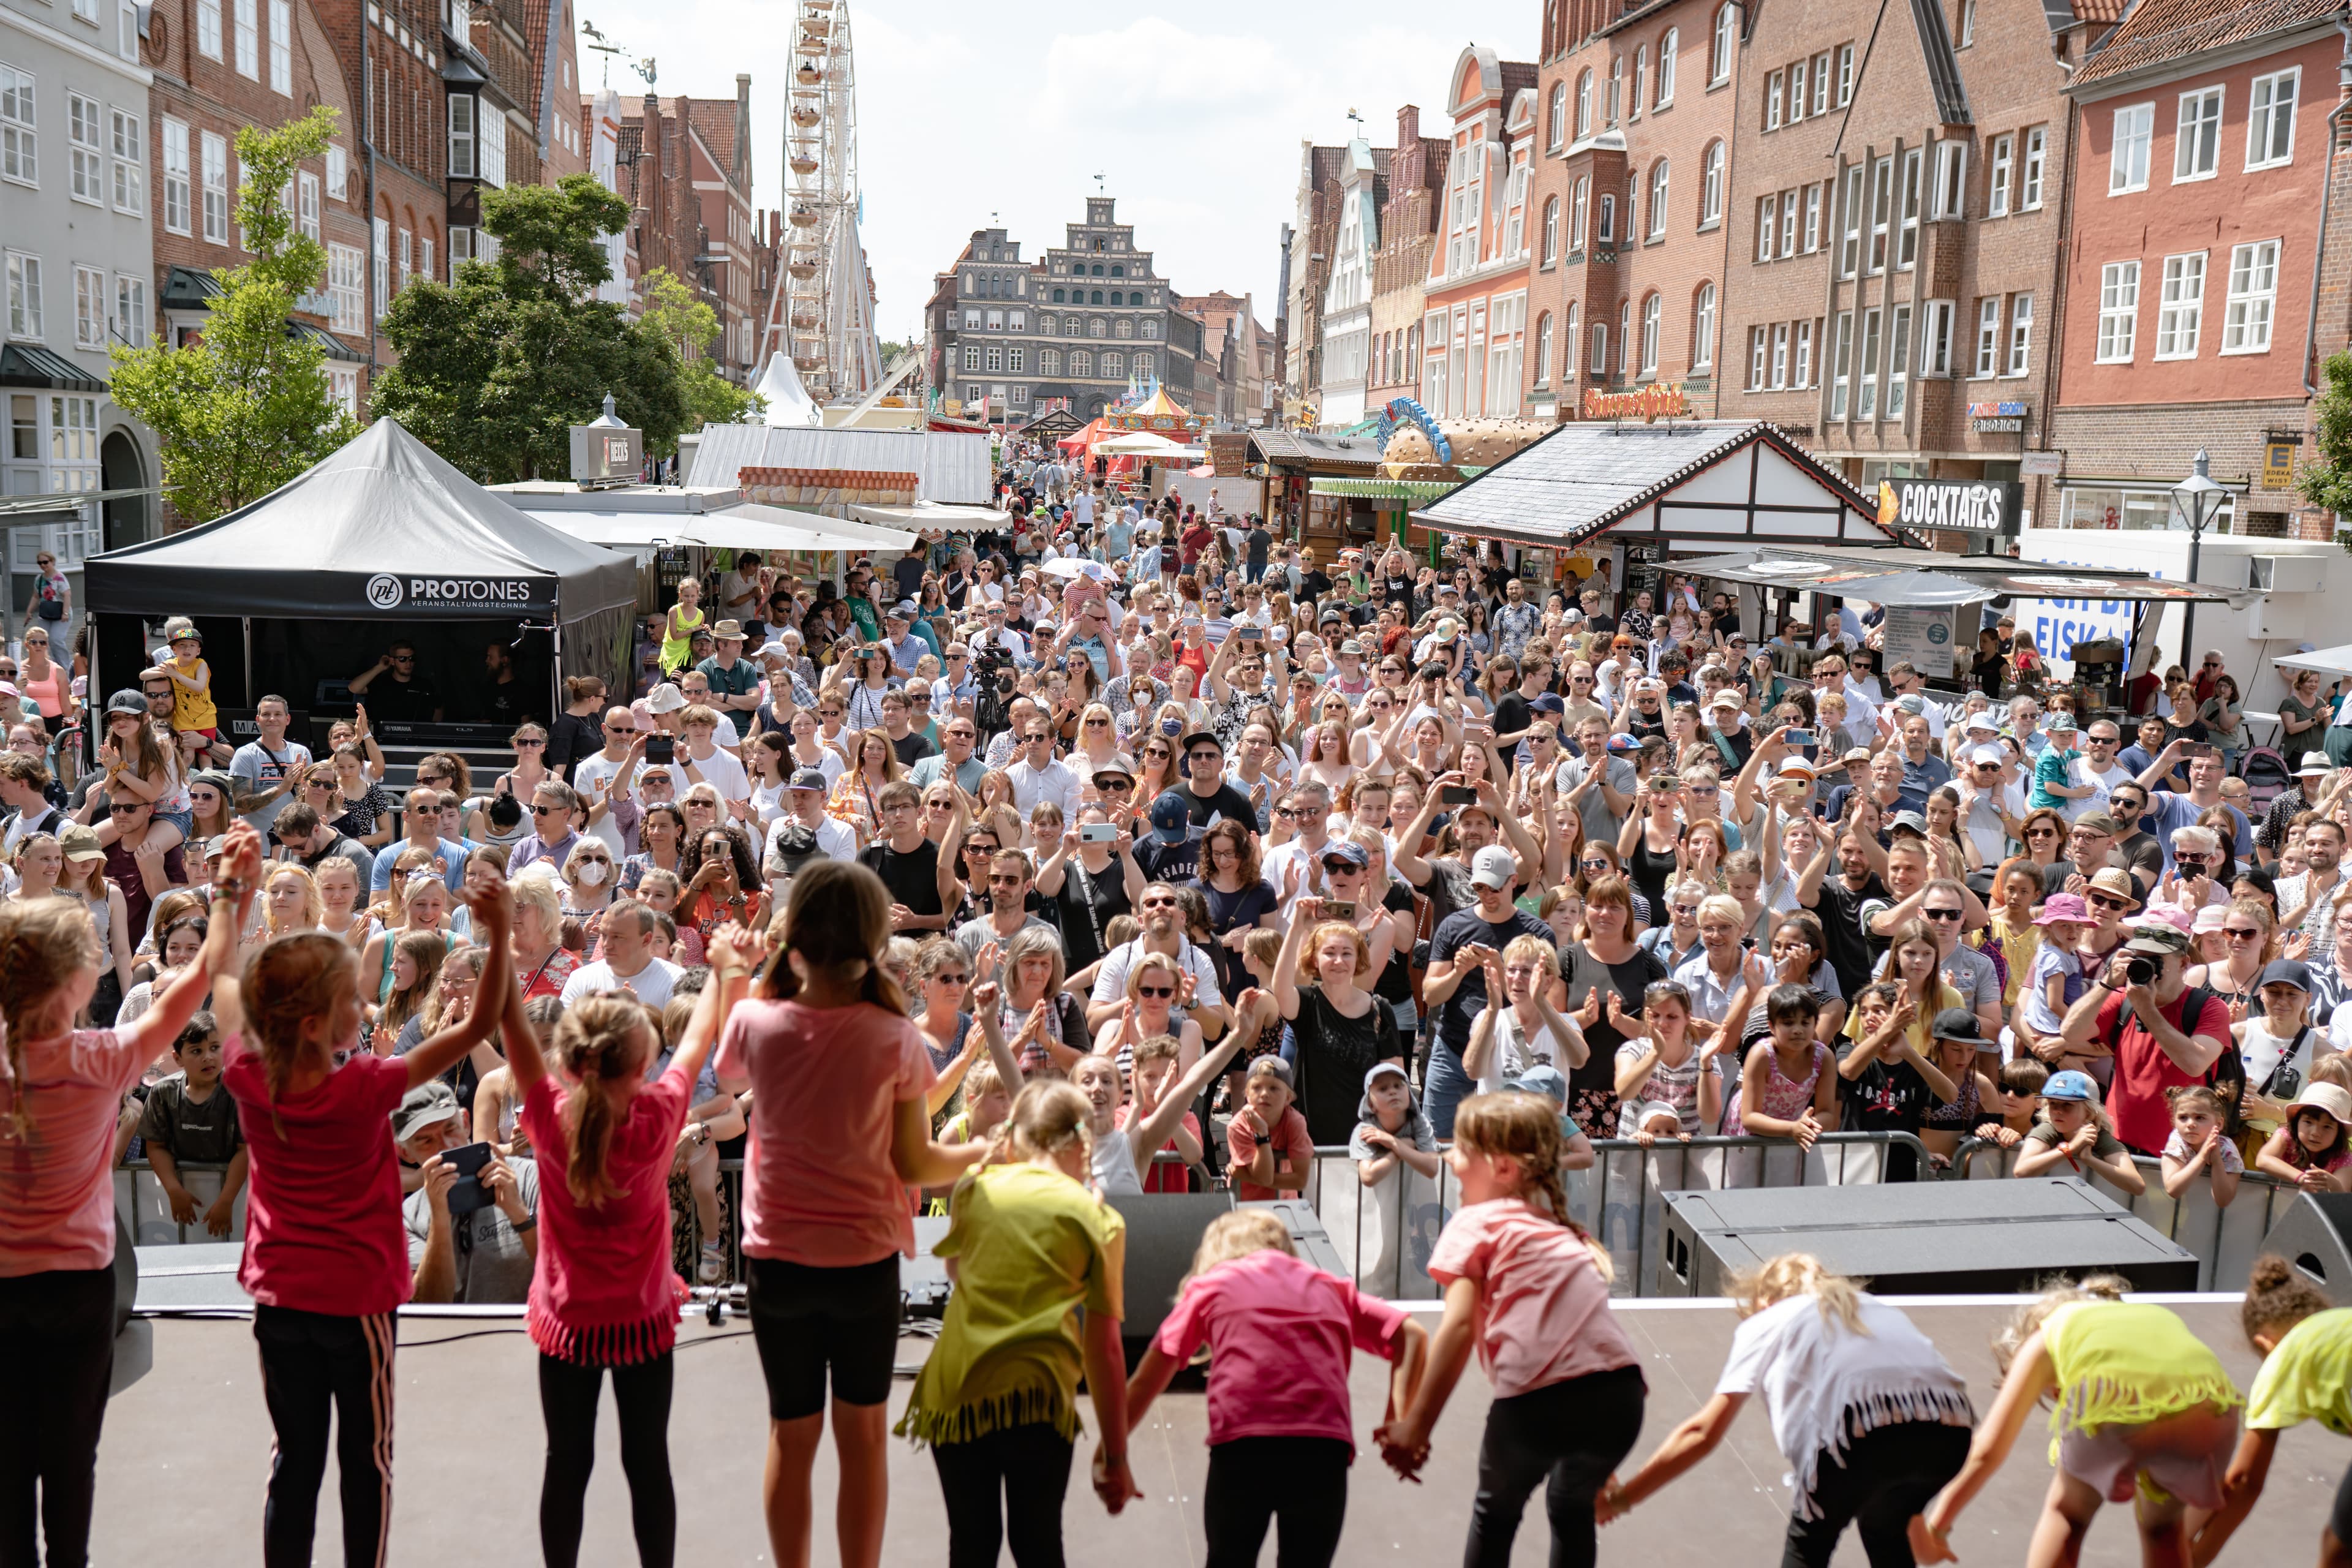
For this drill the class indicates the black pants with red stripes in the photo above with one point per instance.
(313, 1363)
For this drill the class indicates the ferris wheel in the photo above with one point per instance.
(821, 312)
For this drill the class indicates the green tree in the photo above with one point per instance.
(2329, 481)
(247, 407)
(496, 366)
(692, 326)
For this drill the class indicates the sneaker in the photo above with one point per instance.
(712, 1268)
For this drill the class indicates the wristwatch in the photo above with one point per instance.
(526, 1224)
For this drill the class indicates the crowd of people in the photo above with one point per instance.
(1135, 850)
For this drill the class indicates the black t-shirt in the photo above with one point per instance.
(1457, 931)
(1512, 714)
(1332, 1052)
(1170, 862)
(913, 747)
(1395, 983)
(1883, 1098)
(573, 738)
(1087, 903)
(1313, 586)
(411, 702)
(1592, 1088)
(1603, 624)
(1235, 912)
(1839, 909)
(509, 701)
(912, 876)
(1259, 540)
(1228, 802)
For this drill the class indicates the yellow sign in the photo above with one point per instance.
(2278, 464)
(952, 407)
(1648, 404)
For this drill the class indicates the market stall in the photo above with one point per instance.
(305, 588)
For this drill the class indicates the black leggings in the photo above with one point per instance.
(1300, 1481)
(312, 1363)
(1570, 1436)
(59, 1327)
(1883, 1478)
(567, 1393)
(1015, 1477)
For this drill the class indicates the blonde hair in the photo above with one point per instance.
(838, 918)
(313, 907)
(1237, 1233)
(1314, 945)
(2027, 1321)
(42, 943)
(1800, 1274)
(1525, 1128)
(1048, 1116)
(287, 980)
(597, 1043)
(1527, 946)
(1158, 1047)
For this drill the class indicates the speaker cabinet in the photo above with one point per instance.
(1917, 1238)
(2312, 1235)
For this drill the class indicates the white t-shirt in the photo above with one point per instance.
(1821, 1381)
(722, 769)
(1110, 980)
(592, 777)
(1516, 1050)
(652, 984)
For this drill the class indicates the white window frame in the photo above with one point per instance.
(1703, 329)
(1719, 63)
(247, 21)
(1821, 83)
(208, 28)
(1551, 231)
(1774, 85)
(2030, 172)
(306, 212)
(20, 126)
(1898, 361)
(282, 47)
(1583, 104)
(1767, 224)
(1758, 357)
(214, 148)
(25, 303)
(380, 269)
(1999, 166)
(128, 163)
(1968, 24)
(1777, 378)
(1813, 217)
(462, 163)
(1556, 136)
(1804, 371)
(1601, 348)
(2127, 152)
(85, 148)
(1668, 48)
(1842, 365)
(1710, 193)
(1654, 317)
(2119, 312)
(179, 179)
(1935, 337)
(1907, 242)
(2021, 335)
(1850, 237)
(90, 307)
(1882, 208)
(2252, 309)
(347, 309)
(1580, 209)
(1865, 406)
(1950, 198)
(1797, 92)
(338, 173)
(2180, 306)
(1988, 354)
(2196, 135)
(1661, 178)
(1633, 103)
(130, 318)
(1845, 75)
(2270, 118)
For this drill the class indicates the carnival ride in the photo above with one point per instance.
(818, 345)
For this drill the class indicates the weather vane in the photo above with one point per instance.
(1098, 184)
(1357, 118)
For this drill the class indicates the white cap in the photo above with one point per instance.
(1494, 867)
(1988, 755)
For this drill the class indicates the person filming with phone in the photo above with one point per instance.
(472, 1218)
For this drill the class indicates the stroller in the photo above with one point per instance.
(2267, 777)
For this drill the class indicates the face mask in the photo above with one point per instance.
(592, 873)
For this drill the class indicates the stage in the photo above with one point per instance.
(186, 1452)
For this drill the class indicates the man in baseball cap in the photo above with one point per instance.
(2163, 1034)
(804, 796)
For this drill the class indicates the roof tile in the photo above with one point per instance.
(2157, 32)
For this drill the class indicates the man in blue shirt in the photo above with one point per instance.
(2168, 811)
(905, 647)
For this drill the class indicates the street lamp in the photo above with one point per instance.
(2196, 500)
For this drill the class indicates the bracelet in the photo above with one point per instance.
(526, 1224)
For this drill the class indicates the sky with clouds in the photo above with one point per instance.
(1193, 114)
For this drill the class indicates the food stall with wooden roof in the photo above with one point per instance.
(1286, 463)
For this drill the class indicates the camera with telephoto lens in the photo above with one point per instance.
(2141, 971)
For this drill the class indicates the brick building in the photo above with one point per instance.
(1631, 188)
(1313, 228)
(2189, 313)
(1474, 316)
(1409, 221)
(688, 178)
(1346, 328)
(1243, 354)
(1895, 211)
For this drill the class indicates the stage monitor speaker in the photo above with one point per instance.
(126, 1275)
(2313, 1235)
(1916, 1238)
(1163, 1231)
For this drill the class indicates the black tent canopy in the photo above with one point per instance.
(381, 538)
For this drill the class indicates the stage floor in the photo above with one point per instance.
(186, 1452)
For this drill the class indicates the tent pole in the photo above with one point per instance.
(249, 691)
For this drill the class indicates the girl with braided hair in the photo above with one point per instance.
(326, 1252)
(60, 1094)
(602, 1292)
(1531, 1288)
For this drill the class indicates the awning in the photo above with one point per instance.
(329, 344)
(1898, 574)
(2334, 660)
(715, 530)
(30, 364)
(934, 516)
(1414, 490)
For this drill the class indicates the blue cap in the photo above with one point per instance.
(1171, 817)
(1624, 742)
(2286, 971)
(1347, 850)
(1545, 1080)
(2071, 1085)
(1548, 702)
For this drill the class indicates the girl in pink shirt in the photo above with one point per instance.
(60, 1092)
(326, 1252)
(1529, 1287)
(840, 1130)
(1279, 1332)
(602, 1291)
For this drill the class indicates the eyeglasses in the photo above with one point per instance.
(1683, 908)
(980, 849)
(2241, 933)
(1941, 914)
(1006, 881)
(951, 979)
(527, 745)
(2108, 901)
(1595, 863)
(1159, 904)
(1155, 991)
(119, 809)
(558, 811)
(2041, 833)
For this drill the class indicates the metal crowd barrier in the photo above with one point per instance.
(146, 1213)
(2226, 1239)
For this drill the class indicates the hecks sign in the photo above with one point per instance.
(1969, 506)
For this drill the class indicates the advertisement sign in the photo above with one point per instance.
(1926, 636)
(1649, 405)
(1971, 506)
(2278, 464)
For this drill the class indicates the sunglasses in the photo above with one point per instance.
(951, 979)
(2108, 901)
(1155, 991)
(527, 745)
(980, 848)
(558, 811)
(1159, 904)
(1941, 914)
(1006, 881)
(2241, 933)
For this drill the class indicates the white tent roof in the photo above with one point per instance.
(788, 401)
(947, 465)
(2337, 661)
(925, 514)
(746, 526)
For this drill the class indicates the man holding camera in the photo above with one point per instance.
(2164, 1034)
(472, 1218)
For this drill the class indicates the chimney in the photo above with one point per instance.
(743, 173)
(1408, 126)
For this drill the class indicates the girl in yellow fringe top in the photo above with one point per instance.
(2143, 1413)
(1030, 1247)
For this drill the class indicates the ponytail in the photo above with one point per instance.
(1525, 1128)
(599, 1043)
(42, 944)
(2278, 1296)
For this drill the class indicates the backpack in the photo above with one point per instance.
(2228, 1073)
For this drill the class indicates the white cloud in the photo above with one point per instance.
(1193, 114)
